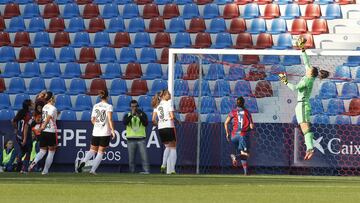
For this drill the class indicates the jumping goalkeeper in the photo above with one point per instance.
(304, 88)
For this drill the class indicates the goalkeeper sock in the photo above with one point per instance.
(244, 165)
(39, 156)
(165, 156)
(309, 140)
(97, 161)
(88, 155)
(49, 160)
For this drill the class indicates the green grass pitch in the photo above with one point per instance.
(110, 187)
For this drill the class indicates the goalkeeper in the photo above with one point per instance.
(304, 88)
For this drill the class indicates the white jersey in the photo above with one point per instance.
(100, 113)
(51, 110)
(163, 113)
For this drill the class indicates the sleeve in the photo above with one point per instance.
(109, 108)
(143, 118)
(306, 60)
(231, 114)
(169, 106)
(53, 113)
(93, 113)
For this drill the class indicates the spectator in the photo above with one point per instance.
(8, 157)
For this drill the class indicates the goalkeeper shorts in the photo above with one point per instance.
(303, 111)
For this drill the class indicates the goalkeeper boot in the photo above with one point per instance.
(31, 167)
(162, 169)
(80, 167)
(309, 154)
(233, 160)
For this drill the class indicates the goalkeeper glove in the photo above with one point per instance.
(301, 43)
(283, 78)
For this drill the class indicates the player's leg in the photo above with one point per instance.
(166, 153)
(303, 116)
(41, 153)
(171, 163)
(244, 146)
(49, 159)
(89, 154)
(103, 145)
(235, 142)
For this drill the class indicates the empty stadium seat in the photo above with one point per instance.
(11, 69)
(257, 26)
(5, 39)
(335, 107)
(213, 118)
(96, 24)
(291, 60)
(191, 117)
(51, 10)
(36, 24)
(170, 11)
(271, 60)
(190, 11)
(222, 88)
(157, 86)
(2, 24)
(32, 69)
(250, 59)
(41, 39)
(231, 11)
(2, 85)
(187, 105)
(243, 40)
(182, 40)
(81, 39)
(116, 25)
(333, 11)
(63, 102)
(61, 39)
(316, 106)
(36, 85)
(208, 105)
(150, 11)
(147, 55)
(192, 72)
(242, 88)
(298, 26)
(7, 54)
(226, 105)
(342, 73)
(263, 89)
(234, 59)
(211, 11)
(251, 10)
(72, 70)
(96, 85)
(328, 90)
(162, 39)
(235, 73)
(205, 88)
(217, 25)
(142, 39)
(107, 55)
(319, 26)
(122, 39)
(56, 25)
(216, 71)
(284, 41)
(4, 101)
(278, 26)
(6, 114)
(176, 24)
(31, 10)
(26, 54)
(145, 103)
(52, 69)
(309, 41)
(118, 87)
(138, 87)
(133, 70)
(68, 115)
(101, 39)
(202, 40)
(264, 41)
(181, 88)
(76, 24)
(153, 71)
(87, 54)
(321, 119)
(11, 10)
(275, 71)
(110, 11)
(91, 11)
(312, 11)
(77, 86)
(343, 120)
(130, 11)
(156, 24)
(352, 61)
(136, 25)
(354, 107)
(67, 54)
(223, 40)
(271, 11)
(16, 24)
(164, 57)
(57, 86)
(83, 102)
(112, 70)
(349, 91)
(292, 11)
(92, 70)
(122, 104)
(71, 10)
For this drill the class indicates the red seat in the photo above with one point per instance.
(4, 39)
(21, 39)
(312, 11)
(156, 24)
(309, 41)
(150, 11)
(164, 58)
(2, 85)
(196, 25)
(11, 10)
(96, 25)
(298, 26)
(82, 2)
(354, 107)
(187, 105)
(2, 24)
(42, 2)
(91, 11)
(250, 59)
(231, 11)
(61, 39)
(133, 70)
(202, 40)
(171, 11)
(56, 25)
(319, 26)
(142, 2)
(271, 11)
(51, 10)
(264, 41)
(344, 2)
(263, 89)
(256, 73)
(162, 39)
(237, 25)
(97, 85)
(203, 2)
(138, 87)
(92, 70)
(26, 54)
(263, 2)
(243, 41)
(303, 2)
(242, 2)
(122, 39)
(192, 72)
(87, 54)
(191, 117)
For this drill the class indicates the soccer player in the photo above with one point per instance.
(164, 117)
(103, 131)
(304, 89)
(240, 135)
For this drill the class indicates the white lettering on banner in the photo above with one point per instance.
(329, 146)
(153, 139)
(67, 136)
(80, 154)
(109, 155)
(80, 137)
(123, 135)
(117, 140)
(350, 149)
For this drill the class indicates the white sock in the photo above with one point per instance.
(49, 160)
(88, 155)
(97, 161)
(165, 156)
(173, 157)
(39, 156)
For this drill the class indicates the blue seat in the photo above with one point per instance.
(181, 88)
(41, 39)
(6, 114)
(222, 2)
(153, 71)
(226, 105)
(116, 25)
(251, 105)
(163, 2)
(85, 116)
(147, 55)
(176, 25)
(110, 11)
(205, 88)
(316, 106)
(115, 117)
(47, 54)
(182, 40)
(32, 69)
(213, 118)
(217, 25)
(230, 59)
(216, 71)
(349, 91)
(324, 2)
(112, 70)
(123, 103)
(157, 86)
(71, 10)
(208, 105)
(257, 26)
(328, 90)
(122, 2)
(16, 24)
(251, 11)
(145, 103)
(68, 115)
(274, 72)
(335, 107)
(76, 24)
(270, 59)
(31, 10)
(107, 55)
(353, 61)
(222, 88)
(284, 41)
(106, 2)
(142, 39)
(321, 119)
(61, 2)
(36, 24)
(333, 11)
(242, 88)
(343, 120)
(81, 39)
(72, 70)
(19, 99)
(11, 69)
(130, 11)
(57, 86)
(67, 54)
(291, 60)
(284, 2)
(127, 55)
(7, 54)
(52, 69)
(212, 58)
(292, 11)
(235, 73)
(342, 73)
(211, 11)
(278, 25)
(101, 39)
(63, 102)
(182, 2)
(118, 87)
(36, 85)
(179, 71)
(136, 25)
(190, 11)
(77, 86)
(4, 101)
(83, 102)
(17, 85)
(223, 40)
(23, 1)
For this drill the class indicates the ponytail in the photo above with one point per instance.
(322, 74)
(103, 94)
(156, 100)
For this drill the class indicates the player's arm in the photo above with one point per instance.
(111, 124)
(25, 133)
(226, 123)
(154, 116)
(46, 122)
(173, 117)
(252, 126)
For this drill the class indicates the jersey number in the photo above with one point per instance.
(44, 116)
(161, 112)
(100, 116)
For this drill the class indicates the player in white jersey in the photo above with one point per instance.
(48, 137)
(164, 118)
(101, 118)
